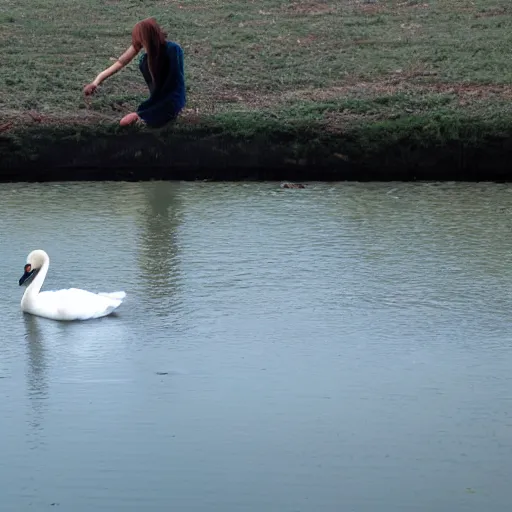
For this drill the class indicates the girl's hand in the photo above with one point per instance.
(90, 89)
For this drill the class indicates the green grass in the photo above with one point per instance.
(342, 65)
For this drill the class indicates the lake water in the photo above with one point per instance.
(345, 347)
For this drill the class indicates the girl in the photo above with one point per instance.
(161, 65)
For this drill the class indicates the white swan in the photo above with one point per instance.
(70, 304)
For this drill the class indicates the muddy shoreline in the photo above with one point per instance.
(46, 154)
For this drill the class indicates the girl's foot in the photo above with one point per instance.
(129, 119)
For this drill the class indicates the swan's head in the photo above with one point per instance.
(35, 260)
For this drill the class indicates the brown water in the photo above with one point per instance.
(340, 348)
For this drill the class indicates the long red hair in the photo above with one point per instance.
(148, 34)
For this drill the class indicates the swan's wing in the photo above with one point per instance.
(76, 304)
(113, 295)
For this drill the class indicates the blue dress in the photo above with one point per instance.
(166, 101)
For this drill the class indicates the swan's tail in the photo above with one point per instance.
(113, 295)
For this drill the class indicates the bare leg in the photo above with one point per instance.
(129, 119)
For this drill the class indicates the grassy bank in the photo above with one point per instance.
(349, 86)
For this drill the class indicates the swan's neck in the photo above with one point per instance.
(35, 286)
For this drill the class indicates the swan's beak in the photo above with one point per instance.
(28, 275)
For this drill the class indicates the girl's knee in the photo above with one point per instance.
(129, 119)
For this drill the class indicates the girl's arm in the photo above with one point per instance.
(124, 60)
